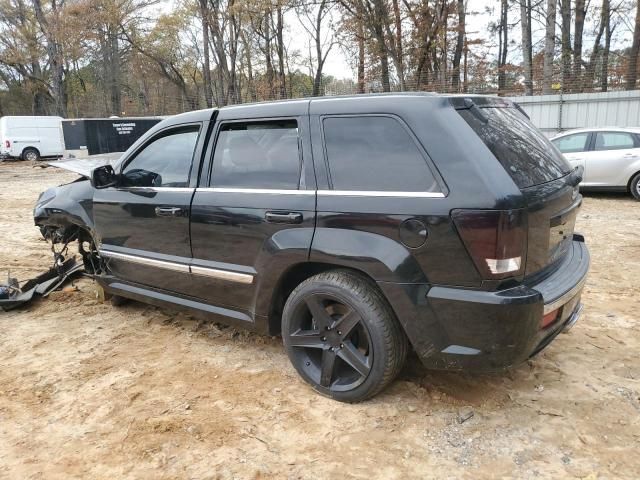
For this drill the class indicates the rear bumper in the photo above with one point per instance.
(455, 328)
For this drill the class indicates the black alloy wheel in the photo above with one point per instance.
(342, 337)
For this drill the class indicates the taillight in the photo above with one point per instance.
(495, 239)
(549, 318)
(7, 144)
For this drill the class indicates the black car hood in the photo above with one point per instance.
(83, 166)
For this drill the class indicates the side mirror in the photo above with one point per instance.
(103, 177)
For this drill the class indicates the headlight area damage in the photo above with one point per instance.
(64, 215)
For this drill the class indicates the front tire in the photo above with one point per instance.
(30, 154)
(342, 336)
(634, 186)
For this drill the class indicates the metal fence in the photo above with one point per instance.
(557, 113)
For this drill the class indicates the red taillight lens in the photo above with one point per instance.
(7, 143)
(495, 239)
(549, 318)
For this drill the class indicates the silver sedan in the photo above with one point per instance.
(610, 157)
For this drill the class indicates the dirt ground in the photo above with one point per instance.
(92, 391)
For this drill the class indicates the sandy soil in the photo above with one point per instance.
(92, 391)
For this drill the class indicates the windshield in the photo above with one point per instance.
(521, 148)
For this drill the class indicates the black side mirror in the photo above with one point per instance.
(103, 177)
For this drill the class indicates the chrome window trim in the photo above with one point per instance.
(155, 189)
(346, 193)
(236, 277)
(566, 297)
(178, 267)
(376, 193)
(273, 191)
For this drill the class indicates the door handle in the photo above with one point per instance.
(283, 217)
(168, 211)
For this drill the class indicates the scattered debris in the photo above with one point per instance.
(465, 414)
(12, 295)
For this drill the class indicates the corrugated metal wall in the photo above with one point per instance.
(556, 113)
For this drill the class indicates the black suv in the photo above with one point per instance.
(353, 226)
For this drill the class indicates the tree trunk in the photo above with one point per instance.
(527, 53)
(280, 52)
(577, 45)
(455, 71)
(114, 74)
(54, 51)
(632, 69)
(565, 29)
(379, 13)
(503, 45)
(361, 57)
(399, 55)
(206, 74)
(549, 47)
(606, 18)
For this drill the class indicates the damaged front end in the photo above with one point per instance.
(65, 214)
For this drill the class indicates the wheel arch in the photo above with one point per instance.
(633, 175)
(298, 273)
(27, 148)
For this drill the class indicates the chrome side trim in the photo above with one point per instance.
(177, 267)
(367, 193)
(222, 274)
(156, 189)
(227, 275)
(273, 191)
(557, 303)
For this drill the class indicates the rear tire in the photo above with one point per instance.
(31, 154)
(634, 186)
(342, 336)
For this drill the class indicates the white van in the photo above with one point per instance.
(31, 138)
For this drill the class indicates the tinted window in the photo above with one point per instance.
(572, 143)
(525, 153)
(165, 162)
(613, 140)
(375, 154)
(257, 155)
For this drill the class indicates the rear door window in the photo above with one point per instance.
(375, 153)
(257, 155)
(613, 141)
(572, 143)
(524, 152)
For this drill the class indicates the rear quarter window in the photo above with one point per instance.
(375, 153)
(524, 152)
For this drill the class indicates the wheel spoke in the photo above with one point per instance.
(328, 361)
(355, 358)
(347, 323)
(306, 338)
(318, 312)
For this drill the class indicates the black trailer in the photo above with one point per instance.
(105, 135)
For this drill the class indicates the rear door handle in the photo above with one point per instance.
(283, 217)
(169, 211)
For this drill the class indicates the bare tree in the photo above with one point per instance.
(455, 71)
(527, 49)
(581, 11)
(549, 47)
(632, 69)
(565, 43)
